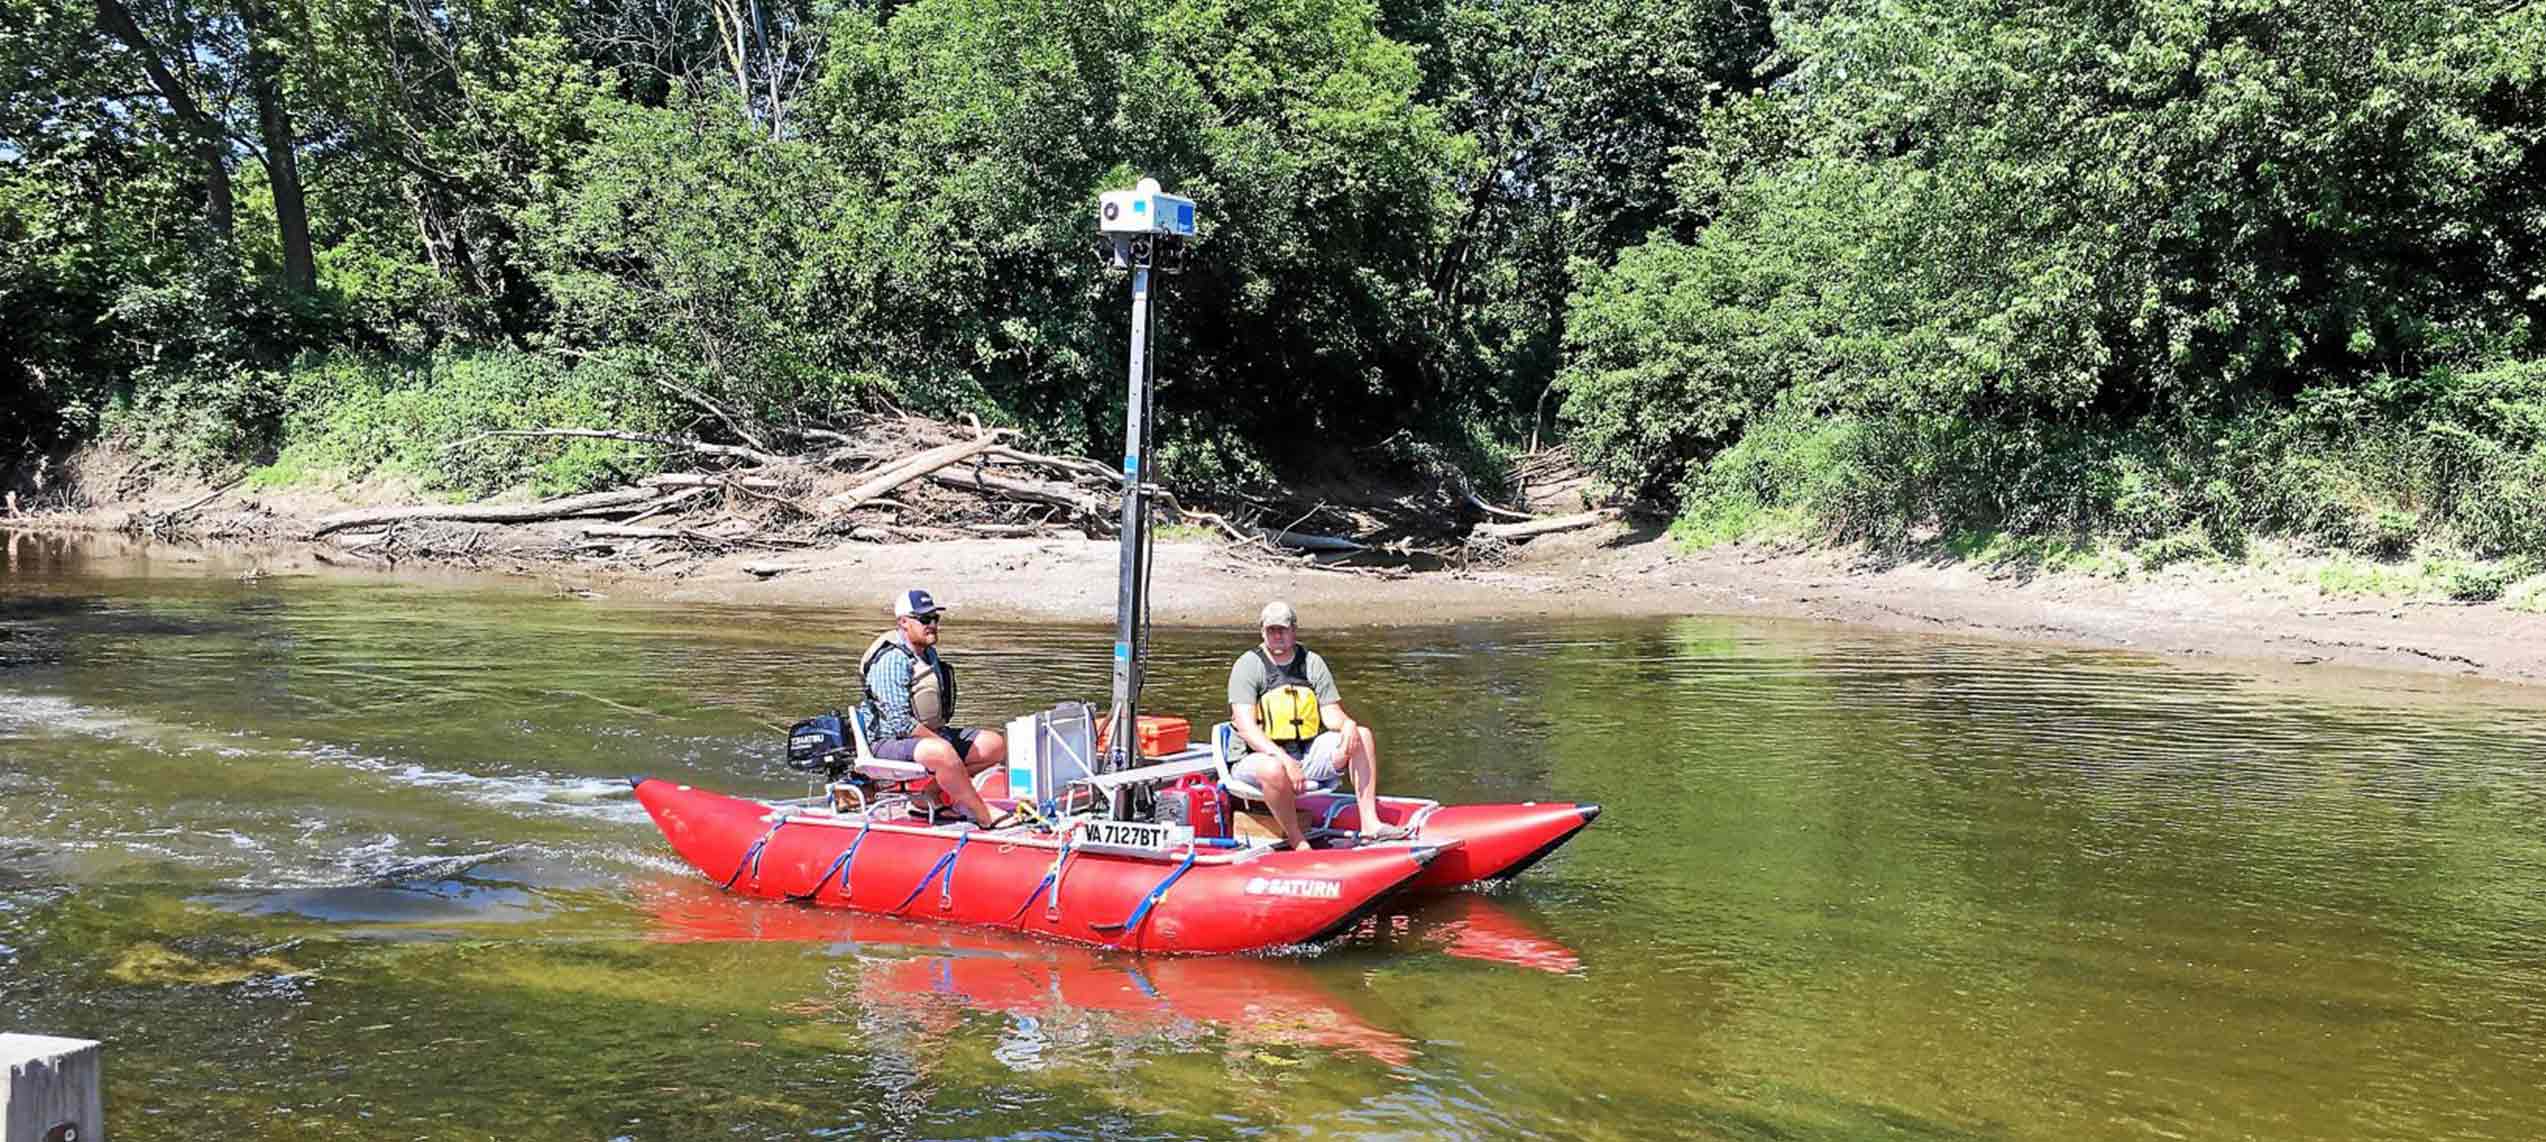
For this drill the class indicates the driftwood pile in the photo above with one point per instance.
(901, 478)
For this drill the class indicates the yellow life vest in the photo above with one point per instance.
(1289, 712)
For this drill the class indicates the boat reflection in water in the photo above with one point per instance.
(1469, 926)
(922, 968)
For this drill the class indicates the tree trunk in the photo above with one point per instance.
(618, 502)
(1510, 531)
(282, 164)
(205, 139)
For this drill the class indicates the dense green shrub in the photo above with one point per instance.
(2150, 271)
(359, 418)
(2457, 459)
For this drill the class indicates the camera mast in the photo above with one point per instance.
(1139, 226)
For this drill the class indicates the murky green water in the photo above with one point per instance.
(352, 859)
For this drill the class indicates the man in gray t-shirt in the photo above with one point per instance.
(1283, 702)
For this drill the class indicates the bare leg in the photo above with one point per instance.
(988, 750)
(954, 780)
(1281, 794)
(1361, 759)
(988, 764)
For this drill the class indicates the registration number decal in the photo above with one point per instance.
(1137, 835)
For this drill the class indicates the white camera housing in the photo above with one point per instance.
(1145, 209)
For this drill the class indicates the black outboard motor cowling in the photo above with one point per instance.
(820, 742)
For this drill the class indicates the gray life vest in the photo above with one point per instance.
(932, 689)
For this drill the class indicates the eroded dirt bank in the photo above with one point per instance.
(2266, 620)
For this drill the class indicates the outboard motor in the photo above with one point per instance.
(820, 744)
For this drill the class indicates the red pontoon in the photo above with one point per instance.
(1072, 885)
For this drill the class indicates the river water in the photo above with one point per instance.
(353, 858)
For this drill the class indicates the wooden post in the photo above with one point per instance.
(53, 1093)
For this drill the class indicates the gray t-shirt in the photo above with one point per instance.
(1248, 680)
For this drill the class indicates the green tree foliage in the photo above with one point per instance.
(727, 261)
(2163, 268)
(1570, 118)
(987, 129)
(2006, 238)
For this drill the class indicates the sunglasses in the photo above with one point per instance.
(925, 620)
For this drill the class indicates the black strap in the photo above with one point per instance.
(1297, 671)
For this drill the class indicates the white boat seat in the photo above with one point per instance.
(1227, 749)
(879, 769)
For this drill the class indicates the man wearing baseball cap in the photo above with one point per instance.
(1284, 703)
(910, 701)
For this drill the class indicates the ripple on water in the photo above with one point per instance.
(1848, 885)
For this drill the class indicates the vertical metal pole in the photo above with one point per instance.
(1122, 748)
(50, 1088)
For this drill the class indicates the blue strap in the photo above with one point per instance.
(1060, 869)
(751, 858)
(842, 864)
(1052, 880)
(945, 864)
(1334, 809)
(1150, 901)
(1030, 894)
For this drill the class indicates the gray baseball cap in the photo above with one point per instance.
(1278, 614)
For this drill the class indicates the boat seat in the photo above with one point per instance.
(880, 770)
(1227, 749)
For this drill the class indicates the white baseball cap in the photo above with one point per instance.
(1278, 614)
(915, 603)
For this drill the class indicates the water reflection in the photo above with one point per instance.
(918, 969)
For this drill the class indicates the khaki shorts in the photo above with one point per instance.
(1323, 764)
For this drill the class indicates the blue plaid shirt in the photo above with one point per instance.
(889, 680)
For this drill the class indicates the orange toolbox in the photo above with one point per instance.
(1160, 736)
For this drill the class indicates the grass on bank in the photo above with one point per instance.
(2436, 490)
(339, 421)
(2515, 582)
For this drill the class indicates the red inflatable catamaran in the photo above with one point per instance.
(1070, 884)
(1104, 859)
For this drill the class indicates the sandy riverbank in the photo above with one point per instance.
(2266, 617)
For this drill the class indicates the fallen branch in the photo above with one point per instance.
(1307, 541)
(624, 531)
(1479, 503)
(566, 508)
(669, 502)
(164, 524)
(1076, 466)
(701, 447)
(980, 480)
(895, 475)
(1225, 526)
(1512, 531)
(772, 497)
(720, 412)
(198, 501)
(713, 480)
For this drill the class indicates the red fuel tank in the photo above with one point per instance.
(1197, 801)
